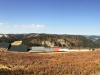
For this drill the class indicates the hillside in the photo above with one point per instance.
(69, 41)
(98, 41)
(51, 40)
(92, 37)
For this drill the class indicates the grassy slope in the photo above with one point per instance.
(78, 63)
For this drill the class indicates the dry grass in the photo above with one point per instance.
(4, 67)
(74, 63)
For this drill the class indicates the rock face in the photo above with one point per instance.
(48, 43)
(62, 42)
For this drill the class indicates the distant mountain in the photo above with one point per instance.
(3, 35)
(52, 40)
(14, 37)
(92, 37)
(98, 41)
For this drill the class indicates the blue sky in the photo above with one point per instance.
(77, 17)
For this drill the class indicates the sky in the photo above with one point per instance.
(75, 17)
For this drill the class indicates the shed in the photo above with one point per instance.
(19, 48)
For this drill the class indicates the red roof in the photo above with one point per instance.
(56, 49)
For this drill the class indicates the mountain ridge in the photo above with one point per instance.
(52, 40)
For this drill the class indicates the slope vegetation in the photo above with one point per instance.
(69, 41)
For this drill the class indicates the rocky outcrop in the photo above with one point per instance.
(48, 43)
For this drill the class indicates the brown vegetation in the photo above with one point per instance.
(64, 41)
(3, 49)
(78, 63)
